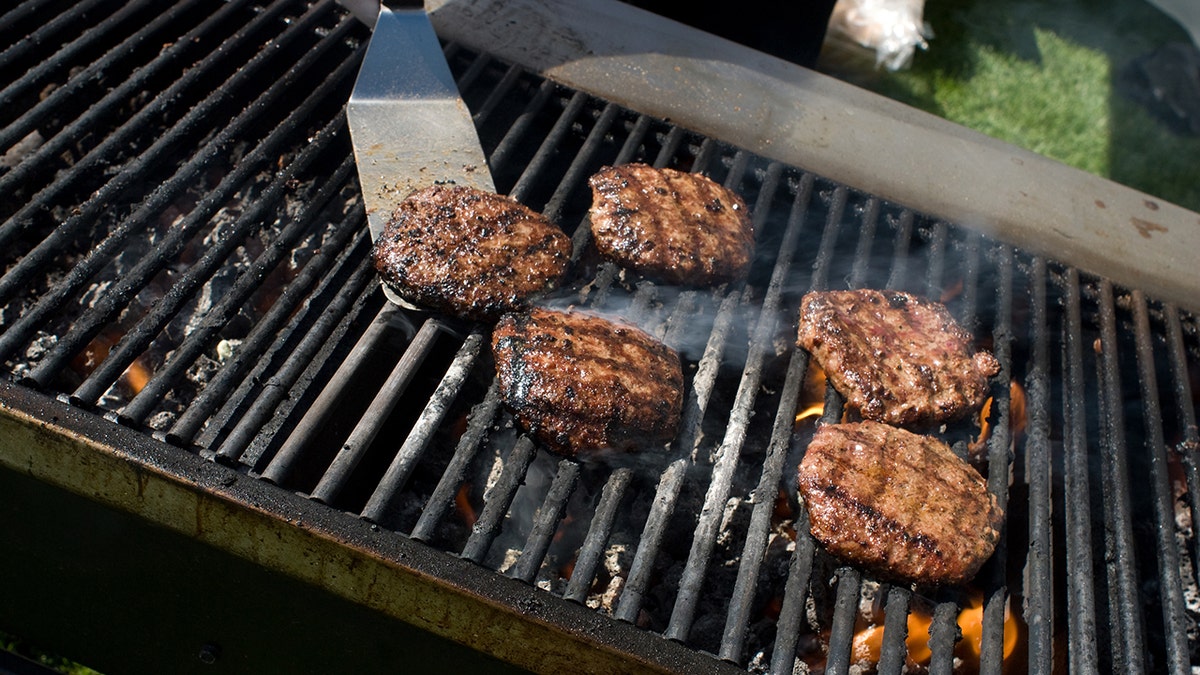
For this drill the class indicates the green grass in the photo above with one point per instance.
(1043, 76)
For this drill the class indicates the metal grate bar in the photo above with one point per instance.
(1081, 620)
(970, 304)
(943, 633)
(866, 239)
(473, 72)
(1039, 557)
(671, 480)
(376, 414)
(1127, 634)
(999, 459)
(260, 337)
(1189, 445)
(829, 237)
(795, 594)
(20, 12)
(670, 145)
(592, 549)
(741, 600)
(545, 522)
(497, 501)
(285, 460)
(845, 612)
(893, 652)
(943, 628)
(1172, 597)
(67, 91)
(478, 421)
(497, 94)
(513, 139)
(708, 525)
(321, 325)
(661, 511)
(937, 261)
(431, 416)
(73, 18)
(115, 143)
(550, 145)
(575, 174)
(900, 255)
(45, 252)
(108, 306)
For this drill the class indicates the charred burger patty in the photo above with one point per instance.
(670, 225)
(896, 357)
(897, 503)
(580, 383)
(469, 253)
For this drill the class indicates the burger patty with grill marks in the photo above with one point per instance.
(896, 357)
(897, 503)
(674, 226)
(581, 383)
(469, 253)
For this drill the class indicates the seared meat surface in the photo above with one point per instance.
(673, 226)
(897, 503)
(469, 253)
(581, 384)
(896, 357)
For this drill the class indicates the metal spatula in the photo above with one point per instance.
(409, 126)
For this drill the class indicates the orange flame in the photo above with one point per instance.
(137, 376)
(89, 359)
(1016, 417)
(868, 643)
(813, 395)
(567, 569)
(970, 620)
(952, 291)
(1016, 405)
(814, 410)
(463, 501)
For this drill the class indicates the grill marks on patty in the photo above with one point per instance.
(582, 384)
(898, 503)
(896, 357)
(469, 253)
(674, 226)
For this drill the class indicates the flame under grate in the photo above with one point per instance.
(184, 253)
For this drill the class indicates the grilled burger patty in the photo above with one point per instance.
(897, 503)
(897, 358)
(580, 383)
(469, 253)
(677, 227)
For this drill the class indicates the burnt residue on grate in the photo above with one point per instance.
(172, 200)
(185, 253)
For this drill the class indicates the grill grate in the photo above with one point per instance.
(185, 254)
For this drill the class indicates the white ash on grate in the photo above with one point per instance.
(607, 587)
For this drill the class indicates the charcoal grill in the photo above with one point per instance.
(220, 447)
